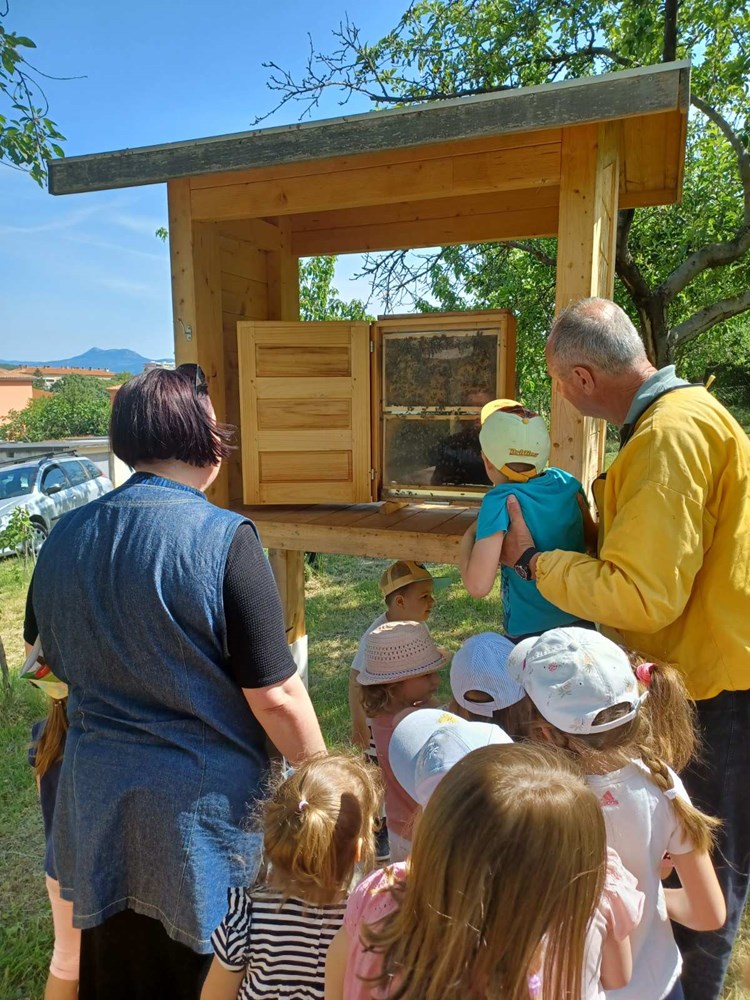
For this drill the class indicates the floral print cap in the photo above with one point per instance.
(573, 674)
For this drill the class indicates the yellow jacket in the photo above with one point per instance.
(673, 573)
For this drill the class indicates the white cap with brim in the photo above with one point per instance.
(512, 434)
(481, 664)
(573, 674)
(427, 743)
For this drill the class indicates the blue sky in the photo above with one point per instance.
(86, 270)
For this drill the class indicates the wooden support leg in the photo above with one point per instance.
(590, 173)
(289, 571)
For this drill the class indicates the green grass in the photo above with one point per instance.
(342, 600)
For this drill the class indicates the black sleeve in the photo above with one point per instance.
(259, 654)
(30, 629)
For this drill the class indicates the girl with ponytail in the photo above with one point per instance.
(620, 720)
(317, 829)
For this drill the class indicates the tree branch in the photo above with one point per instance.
(704, 319)
(715, 254)
(669, 49)
(533, 251)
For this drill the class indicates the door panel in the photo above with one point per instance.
(305, 405)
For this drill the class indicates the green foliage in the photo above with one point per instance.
(78, 406)
(18, 533)
(318, 299)
(28, 136)
(119, 379)
(689, 266)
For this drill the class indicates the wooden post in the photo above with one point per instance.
(288, 566)
(196, 305)
(590, 174)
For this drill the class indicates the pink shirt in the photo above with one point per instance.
(400, 808)
(368, 903)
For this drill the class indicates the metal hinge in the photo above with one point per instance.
(372, 474)
(372, 347)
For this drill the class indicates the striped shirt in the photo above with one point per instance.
(280, 943)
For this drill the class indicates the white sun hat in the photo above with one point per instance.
(573, 674)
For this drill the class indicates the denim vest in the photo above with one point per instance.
(163, 754)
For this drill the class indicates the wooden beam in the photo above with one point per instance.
(283, 276)
(183, 278)
(643, 91)
(196, 305)
(288, 568)
(436, 222)
(585, 266)
(385, 184)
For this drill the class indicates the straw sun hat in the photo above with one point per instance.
(397, 650)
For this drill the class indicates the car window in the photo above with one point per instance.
(76, 473)
(53, 476)
(16, 482)
(93, 470)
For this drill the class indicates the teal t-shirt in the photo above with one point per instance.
(550, 508)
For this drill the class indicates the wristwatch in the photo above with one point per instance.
(522, 566)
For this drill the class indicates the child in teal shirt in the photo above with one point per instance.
(515, 448)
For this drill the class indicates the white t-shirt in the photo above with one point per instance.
(641, 826)
(359, 659)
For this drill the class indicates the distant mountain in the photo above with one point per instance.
(116, 360)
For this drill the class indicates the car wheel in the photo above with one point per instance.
(39, 534)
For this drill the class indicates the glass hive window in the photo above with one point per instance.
(434, 386)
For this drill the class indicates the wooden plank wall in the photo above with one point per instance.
(244, 295)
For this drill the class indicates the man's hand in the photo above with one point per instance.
(518, 538)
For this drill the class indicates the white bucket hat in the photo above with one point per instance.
(429, 741)
(481, 664)
(397, 650)
(511, 433)
(573, 674)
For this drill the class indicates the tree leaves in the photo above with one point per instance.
(28, 137)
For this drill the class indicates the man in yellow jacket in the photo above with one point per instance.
(672, 575)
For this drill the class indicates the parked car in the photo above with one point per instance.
(48, 487)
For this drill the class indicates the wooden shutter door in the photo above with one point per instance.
(305, 409)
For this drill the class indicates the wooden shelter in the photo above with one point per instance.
(555, 160)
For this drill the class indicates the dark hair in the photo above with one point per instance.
(162, 415)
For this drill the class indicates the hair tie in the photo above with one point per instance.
(671, 793)
(643, 673)
(302, 805)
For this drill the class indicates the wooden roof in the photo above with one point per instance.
(645, 91)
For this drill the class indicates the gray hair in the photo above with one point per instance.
(596, 333)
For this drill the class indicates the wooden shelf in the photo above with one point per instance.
(425, 532)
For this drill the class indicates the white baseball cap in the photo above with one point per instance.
(573, 674)
(481, 664)
(429, 741)
(511, 433)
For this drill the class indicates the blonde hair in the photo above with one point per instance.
(508, 863)
(318, 824)
(514, 719)
(380, 699)
(670, 711)
(51, 744)
(601, 753)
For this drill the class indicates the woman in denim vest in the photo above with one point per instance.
(160, 612)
